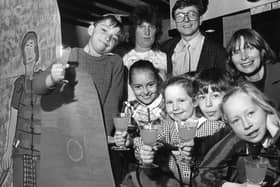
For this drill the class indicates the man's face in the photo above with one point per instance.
(187, 20)
(104, 37)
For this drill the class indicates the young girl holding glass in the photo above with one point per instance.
(255, 125)
(145, 110)
(148, 106)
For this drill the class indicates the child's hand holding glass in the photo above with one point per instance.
(187, 131)
(147, 155)
(122, 139)
(121, 123)
(149, 138)
(185, 150)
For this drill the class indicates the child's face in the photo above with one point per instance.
(144, 85)
(179, 105)
(210, 104)
(104, 37)
(246, 118)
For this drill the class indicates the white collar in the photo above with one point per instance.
(140, 52)
(201, 120)
(194, 41)
(155, 103)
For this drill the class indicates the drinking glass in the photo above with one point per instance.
(149, 137)
(255, 169)
(121, 124)
(187, 131)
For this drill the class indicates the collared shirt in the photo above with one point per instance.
(195, 50)
(140, 111)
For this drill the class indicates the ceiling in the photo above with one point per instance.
(83, 12)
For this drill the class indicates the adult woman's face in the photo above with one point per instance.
(144, 36)
(245, 57)
(246, 118)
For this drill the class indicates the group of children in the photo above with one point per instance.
(218, 103)
(208, 96)
(186, 97)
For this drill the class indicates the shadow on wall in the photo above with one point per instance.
(74, 36)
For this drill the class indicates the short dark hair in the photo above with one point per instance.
(217, 79)
(201, 6)
(144, 13)
(114, 21)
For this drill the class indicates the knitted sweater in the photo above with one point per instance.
(107, 73)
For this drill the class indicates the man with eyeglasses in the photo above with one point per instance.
(191, 51)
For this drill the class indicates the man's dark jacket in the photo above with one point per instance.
(212, 54)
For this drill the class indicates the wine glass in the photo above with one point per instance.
(149, 137)
(255, 168)
(187, 131)
(121, 124)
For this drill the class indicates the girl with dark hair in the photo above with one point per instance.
(148, 107)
